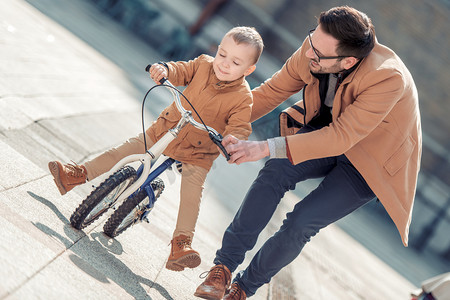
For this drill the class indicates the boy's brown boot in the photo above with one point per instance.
(215, 284)
(235, 293)
(67, 176)
(182, 255)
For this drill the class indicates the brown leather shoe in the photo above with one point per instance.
(182, 255)
(235, 293)
(67, 176)
(215, 284)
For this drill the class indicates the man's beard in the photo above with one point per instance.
(321, 70)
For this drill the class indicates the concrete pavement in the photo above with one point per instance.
(66, 98)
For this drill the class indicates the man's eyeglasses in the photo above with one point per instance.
(315, 51)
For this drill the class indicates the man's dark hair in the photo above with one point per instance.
(352, 28)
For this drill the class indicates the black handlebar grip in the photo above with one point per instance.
(147, 68)
(217, 139)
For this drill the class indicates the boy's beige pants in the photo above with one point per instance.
(192, 180)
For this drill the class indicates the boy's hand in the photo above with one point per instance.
(158, 72)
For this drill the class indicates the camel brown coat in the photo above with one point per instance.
(376, 124)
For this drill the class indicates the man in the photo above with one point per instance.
(360, 131)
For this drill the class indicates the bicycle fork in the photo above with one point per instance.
(148, 187)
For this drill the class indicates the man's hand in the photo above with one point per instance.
(244, 151)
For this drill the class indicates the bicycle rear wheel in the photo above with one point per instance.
(103, 197)
(130, 212)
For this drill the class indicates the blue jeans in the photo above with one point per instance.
(342, 191)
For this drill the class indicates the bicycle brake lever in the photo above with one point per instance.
(217, 139)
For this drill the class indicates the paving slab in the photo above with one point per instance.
(19, 169)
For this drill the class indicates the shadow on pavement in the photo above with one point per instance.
(96, 256)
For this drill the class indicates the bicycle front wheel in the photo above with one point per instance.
(130, 212)
(103, 197)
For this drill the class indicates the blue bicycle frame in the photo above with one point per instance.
(147, 184)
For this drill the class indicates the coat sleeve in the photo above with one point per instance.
(238, 123)
(378, 93)
(182, 72)
(283, 84)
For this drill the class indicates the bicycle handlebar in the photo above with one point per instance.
(213, 134)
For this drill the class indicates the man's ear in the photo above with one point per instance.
(349, 62)
(250, 70)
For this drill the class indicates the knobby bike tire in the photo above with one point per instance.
(131, 210)
(103, 197)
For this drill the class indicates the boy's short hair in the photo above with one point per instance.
(249, 36)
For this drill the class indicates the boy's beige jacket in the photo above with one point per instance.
(376, 124)
(225, 106)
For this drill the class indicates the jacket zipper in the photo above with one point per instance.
(304, 105)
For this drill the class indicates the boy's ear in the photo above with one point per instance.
(250, 70)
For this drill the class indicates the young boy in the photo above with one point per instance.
(218, 90)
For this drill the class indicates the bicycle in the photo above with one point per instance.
(137, 190)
